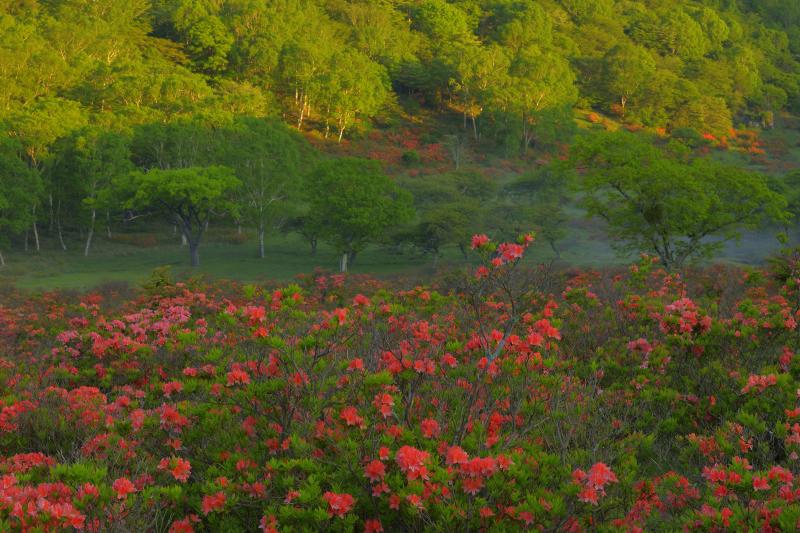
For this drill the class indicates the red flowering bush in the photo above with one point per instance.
(507, 398)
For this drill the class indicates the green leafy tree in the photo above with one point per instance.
(476, 68)
(674, 209)
(353, 87)
(789, 186)
(537, 81)
(708, 114)
(379, 30)
(86, 166)
(177, 144)
(29, 67)
(538, 199)
(37, 129)
(442, 21)
(267, 158)
(304, 60)
(18, 184)
(189, 195)
(629, 69)
(447, 224)
(451, 209)
(205, 36)
(672, 31)
(354, 203)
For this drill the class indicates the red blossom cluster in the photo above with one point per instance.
(759, 383)
(339, 504)
(412, 462)
(47, 506)
(593, 482)
(178, 467)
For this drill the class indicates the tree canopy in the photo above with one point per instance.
(187, 196)
(675, 209)
(353, 203)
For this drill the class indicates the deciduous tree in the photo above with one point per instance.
(354, 203)
(190, 195)
(674, 209)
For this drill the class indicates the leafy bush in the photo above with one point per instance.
(506, 398)
(411, 158)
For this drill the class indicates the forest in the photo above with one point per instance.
(134, 121)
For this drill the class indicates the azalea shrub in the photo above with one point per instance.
(510, 397)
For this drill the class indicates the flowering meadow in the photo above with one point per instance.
(507, 398)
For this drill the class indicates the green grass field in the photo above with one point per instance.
(113, 262)
(586, 244)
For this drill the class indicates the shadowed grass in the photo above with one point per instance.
(586, 245)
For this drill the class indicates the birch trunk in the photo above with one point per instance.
(90, 234)
(35, 230)
(58, 227)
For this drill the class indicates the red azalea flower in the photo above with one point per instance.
(479, 240)
(238, 377)
(213, 502)
(456, 455)
(122, 487)
(375, 470)
(430, 428)
(339, 504)
(760, 483)
(373, 526)
(412, 462)
(350, 416)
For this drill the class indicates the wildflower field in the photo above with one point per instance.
(508, 398)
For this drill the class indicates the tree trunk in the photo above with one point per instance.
(108, 224)
(52, 214)
(261, 253)
(27, 235)
(90, 234)
(194, 252)
(58, 227)
(341, 133)
(351, 258)
(475, 127)
(2, 259)
(555, 249)
(184, 241)
(35, 230)
(303, 106)
(313, 241)
(343, 262)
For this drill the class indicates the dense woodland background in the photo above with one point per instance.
(223, 115)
